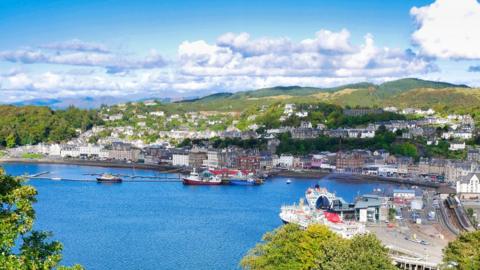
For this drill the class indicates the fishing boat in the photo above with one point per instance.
(205, 178)
(108, 178)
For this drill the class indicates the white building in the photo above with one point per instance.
(214, 159)
(469, 184)
(70, 151)
(285, 161)
(180, 160)
(55, 150)
(456, 146)
(159, 113)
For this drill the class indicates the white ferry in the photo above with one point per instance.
(316, 212)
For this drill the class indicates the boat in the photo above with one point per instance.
(306, 214)
(249, 181)
(108, 178)
(288, 181)
(203, 179)
(241, 179)
(56, 178)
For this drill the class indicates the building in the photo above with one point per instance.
(456, 169)
(351, 161)
(432, 166)
(285, 161)
(403, 196)
(473, 154)
(180, 159)
(305, 133)
(361, 112)
(70, 151)
(215, 159)
(455, 146)
(156, 154)
(367, 209)
(196, 158)
(469, 186)
(249, 163)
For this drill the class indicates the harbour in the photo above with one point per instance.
(165, 226)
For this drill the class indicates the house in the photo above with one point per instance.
(455, 169)
(215, 159)
(285, 161)
(351, 161)
(288, 109)
(469, 186)
(455, 146)
(249, 163)
(433, 166)
(158, 113)
(361, 112)
(180, 159)
(473, 154)
(304, 133)
(196, 157)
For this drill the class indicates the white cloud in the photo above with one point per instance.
(448, 29)
(114, 63)
(329, 54)
(77, 45)
(233, 62)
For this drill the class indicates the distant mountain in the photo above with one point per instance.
(83, 102)
(357, 94)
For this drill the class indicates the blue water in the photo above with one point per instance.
(162, 225)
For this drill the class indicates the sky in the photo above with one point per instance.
(139, 49)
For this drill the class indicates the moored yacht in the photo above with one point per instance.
(108, 178)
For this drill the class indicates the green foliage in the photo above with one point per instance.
(16, 221)
(464, 252)
(324, 143)
(32, 155)
(34, 124)
(405, 149)
(316, 247)
(391, 214)
(341, 120)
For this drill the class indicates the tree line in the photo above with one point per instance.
(34, 124)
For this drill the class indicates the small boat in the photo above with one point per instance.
(206, 178)
(288, 181)
(56, 178)
(108, 178)
(249, 181)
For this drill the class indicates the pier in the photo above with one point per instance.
(132, 178)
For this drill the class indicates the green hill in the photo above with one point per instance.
(404, 93)
(392, 88)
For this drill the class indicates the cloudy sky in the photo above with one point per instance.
(75, 48)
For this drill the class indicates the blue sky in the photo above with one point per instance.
(167, 48)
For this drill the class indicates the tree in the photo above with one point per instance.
(317, 247)
(20, 246)
(464, 252)
(11, 140)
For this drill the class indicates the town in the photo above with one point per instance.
(435, 215)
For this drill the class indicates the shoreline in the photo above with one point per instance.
(170, 169)
(356, 177)
(96, 163)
